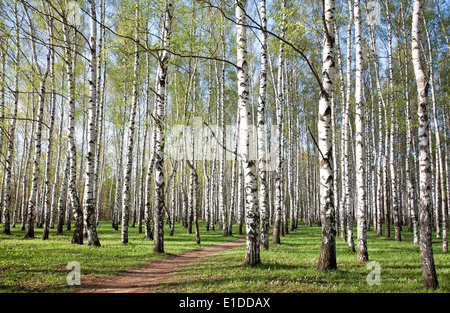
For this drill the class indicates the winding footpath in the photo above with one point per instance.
(141, 279)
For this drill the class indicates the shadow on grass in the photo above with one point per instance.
(298, 279)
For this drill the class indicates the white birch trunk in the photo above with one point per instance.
(89, 191)
(72, 188)
(439, 173)
(341, 211)
(429, 277)
(63, 196)
(252, 255)
(57, 177)
(327, 259)
(263, 188)
(32, 203)
(381, 147)
(143, 185)
(234, 179)
(335, 164)
(212, 191)
(409, 184)
(393, 171)
(99, 114)
(119, 180)
(359, 138)
(279, 134)
(222, 178)
(25, 182)
(345, 170)
(290, 183)
(126, 197)
(47, 186)
(206, 155)
(240, 202)
(151, 166)
(158, 234)
(172, 208)
(9, 160)
(447, 166)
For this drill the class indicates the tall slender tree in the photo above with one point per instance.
(439, 173)
(38, 149)
(126, 198)
(327, 259)
(161, 102)
(359, 138)
(408, 167)
(89, 193)
(393, 170)
(429, 277)
(49, 157)
(10, 154)
(252, 254)
(262, 166)
(278, 205)
(69, 33)
(346, 137)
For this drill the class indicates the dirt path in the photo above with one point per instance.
(149, 275)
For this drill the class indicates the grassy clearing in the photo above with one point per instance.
(34, 265)
(291, 267)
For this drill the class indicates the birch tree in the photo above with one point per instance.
(262, 166)
(89, 193)
(279, 117)
(394, 200)
(101, 90)
(439, 173)
(359, 151)
(10, 154)
(252, 254)
(57, 178)
(161, 99)
(221, 182)
(327, 259)
(126, 198)
(49, 157)
(38, 149)
(409, 180)
(70, 60)
(429, 277)
(346, 138)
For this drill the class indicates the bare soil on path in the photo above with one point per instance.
(142, 279)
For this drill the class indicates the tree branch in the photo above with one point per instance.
(225, 148)
(315, 143)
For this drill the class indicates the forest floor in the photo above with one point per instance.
(36, 265)
(151, 275)
(214, 266)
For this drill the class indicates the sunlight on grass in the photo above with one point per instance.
(35, 265)
(291, 267)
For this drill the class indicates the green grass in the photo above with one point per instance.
(291, 267)
(35, 265)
